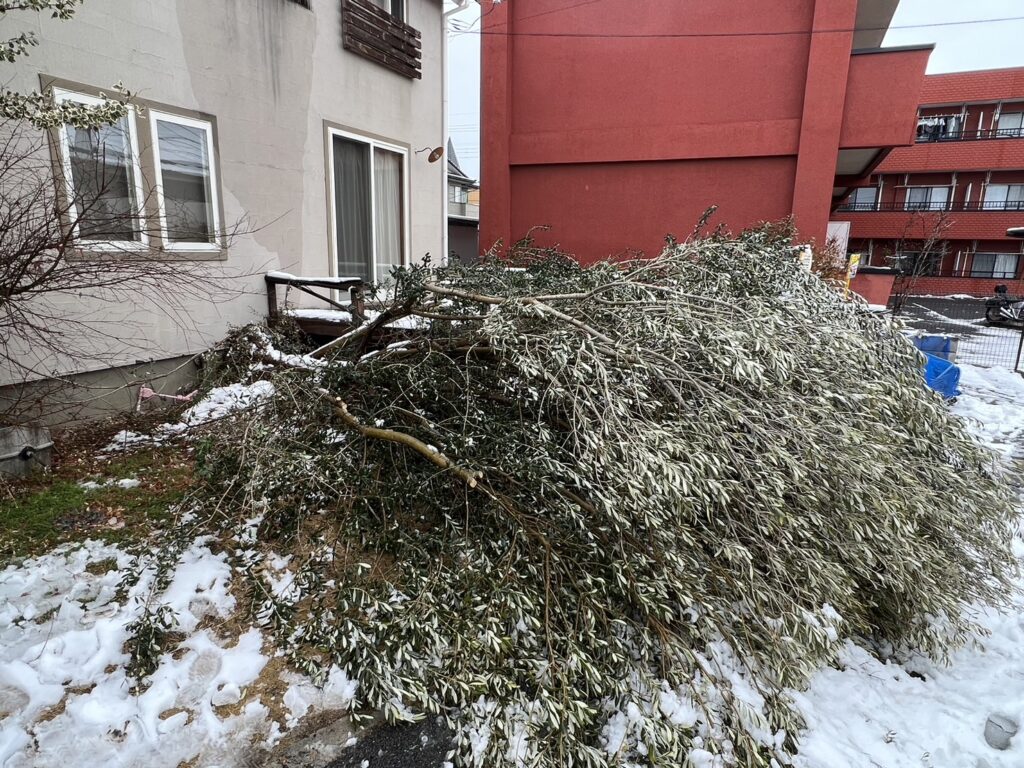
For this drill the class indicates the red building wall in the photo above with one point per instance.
(615, 127)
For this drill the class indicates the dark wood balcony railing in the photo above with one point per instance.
(377, 35)
(994, 133)
(1002, 206)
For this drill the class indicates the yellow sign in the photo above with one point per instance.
(851, 270)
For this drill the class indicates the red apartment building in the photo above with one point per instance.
(966, 167)
(616, 123)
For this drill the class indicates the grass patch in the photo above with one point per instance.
(49, 509)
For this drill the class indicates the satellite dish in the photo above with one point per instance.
(435, 155)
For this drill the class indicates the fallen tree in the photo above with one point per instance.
(605, 515)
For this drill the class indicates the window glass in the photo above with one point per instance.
(1010, 124)
(353, 208)
(1004, 197)
(387, 204)
(1002, 266)
(369, 208)
(186, 181)
(103, 182)
(927, 198)
(863, 199)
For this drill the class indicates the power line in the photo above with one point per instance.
(684, 35)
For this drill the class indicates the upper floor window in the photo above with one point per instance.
(1004, 197)
(927, 198)
(862, 199)
(102, 179)
(1001, 266)
(1010, 124)
(395, 7)
(457, 194)
(939, 127)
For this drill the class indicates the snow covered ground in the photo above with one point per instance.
(65, 697)
(218, 403)
(64, 694)
(877, 715)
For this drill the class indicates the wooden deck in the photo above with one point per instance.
(342, 316)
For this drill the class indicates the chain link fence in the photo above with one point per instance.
(978, 342)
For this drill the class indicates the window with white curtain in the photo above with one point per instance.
(1010, 124)
(1001, 266)
(1004, 197)
(927, 198)
(102, 179)
(185, 181)
(369, 194)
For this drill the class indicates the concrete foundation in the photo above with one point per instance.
(85, 397)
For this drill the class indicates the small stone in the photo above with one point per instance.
(999, 731)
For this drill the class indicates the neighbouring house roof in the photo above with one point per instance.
(455, 173)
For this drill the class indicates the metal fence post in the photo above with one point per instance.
(1020, 350)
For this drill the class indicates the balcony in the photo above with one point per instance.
(993, 133)
(999, 207)
(375, 34)
(464, 211)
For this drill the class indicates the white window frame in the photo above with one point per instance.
(155, 116)
(61, 95)
(332, 217)
(908, 205)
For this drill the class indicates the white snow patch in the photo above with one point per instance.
(993, 407)
(344, 318)
(218, 403)
(62, 642)
(95, 485)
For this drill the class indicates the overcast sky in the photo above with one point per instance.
(957, 47)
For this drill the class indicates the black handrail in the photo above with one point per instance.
(990, 207)
(991, 133)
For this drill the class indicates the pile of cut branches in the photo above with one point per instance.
(607, 515)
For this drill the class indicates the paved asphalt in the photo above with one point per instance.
(419, 745)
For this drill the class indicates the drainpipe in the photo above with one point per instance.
(459, 5)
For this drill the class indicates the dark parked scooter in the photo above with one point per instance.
(1004, 309)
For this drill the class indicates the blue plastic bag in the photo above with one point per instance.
(940, 346)
(942, 376)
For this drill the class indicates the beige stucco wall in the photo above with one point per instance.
(273, 74)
